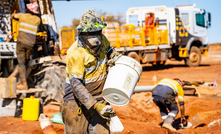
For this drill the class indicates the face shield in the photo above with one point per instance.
(90, 31)
(92, 41)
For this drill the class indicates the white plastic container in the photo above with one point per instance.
(7, 107)
(121, 81)
(115, 125)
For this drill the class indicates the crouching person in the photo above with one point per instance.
(164, 95)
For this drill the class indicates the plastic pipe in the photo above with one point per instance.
(143, 89)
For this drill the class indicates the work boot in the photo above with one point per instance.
(168, 126)
(23, 85)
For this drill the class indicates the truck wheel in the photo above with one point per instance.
(54, 82)
(158, 64)
(194, 58)
(134, 55)
(161, 63)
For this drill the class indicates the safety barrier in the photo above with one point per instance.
(130, 35)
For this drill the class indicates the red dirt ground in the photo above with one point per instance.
(141, 116)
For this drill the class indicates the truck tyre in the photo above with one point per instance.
(158, 64)
(134, 55)
(161, 63)
(54, 82)
(194, 58)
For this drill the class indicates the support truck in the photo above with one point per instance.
(156, 33)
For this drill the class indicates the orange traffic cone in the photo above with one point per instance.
(46, 125)
(154, 79)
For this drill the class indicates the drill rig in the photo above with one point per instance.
(46, 69)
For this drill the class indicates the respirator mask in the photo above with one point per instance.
(91, 41)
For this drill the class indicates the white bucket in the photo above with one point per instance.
(121, 81)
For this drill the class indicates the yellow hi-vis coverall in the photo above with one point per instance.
(28, 26)
(164, 95)
(84, 83)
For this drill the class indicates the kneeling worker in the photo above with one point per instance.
(164, 94)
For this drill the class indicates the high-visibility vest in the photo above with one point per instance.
(28, 27)
(83, 65)
(177, 89)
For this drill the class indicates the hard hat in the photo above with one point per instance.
(179, 81)
(33, 7)
(90, 22)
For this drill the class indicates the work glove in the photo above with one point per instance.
(113, 58)
(114, 54)
(183, 120)
(185, 123)
(104, 110)
(12, 16)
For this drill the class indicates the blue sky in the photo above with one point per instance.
(66, 11)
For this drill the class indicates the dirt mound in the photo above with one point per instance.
(141, 115)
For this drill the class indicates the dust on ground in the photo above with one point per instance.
(141, 115)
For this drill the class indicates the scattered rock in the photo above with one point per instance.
(199, 118)
(215, 123)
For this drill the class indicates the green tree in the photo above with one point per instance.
(75, 23)
(65, 27)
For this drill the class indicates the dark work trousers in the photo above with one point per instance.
(23, 52)
(89, 121)
(168, 107)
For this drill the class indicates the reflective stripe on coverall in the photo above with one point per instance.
(85, 80)
(28, 26)
(164, 97)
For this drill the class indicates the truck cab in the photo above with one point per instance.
(191, 36)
